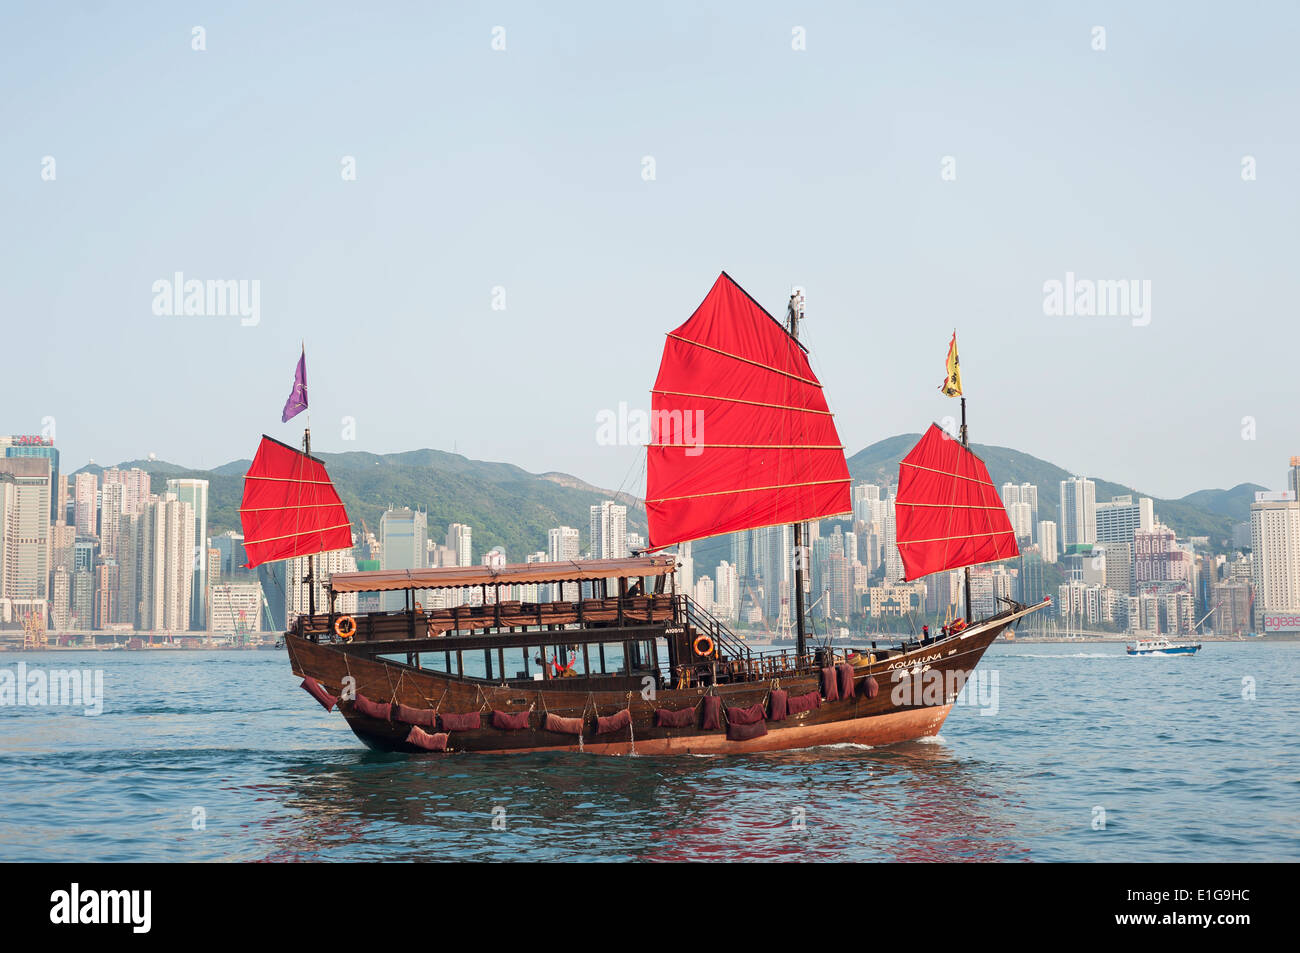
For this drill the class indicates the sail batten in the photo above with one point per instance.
(949, 514)
(290, 506)
(743, 437)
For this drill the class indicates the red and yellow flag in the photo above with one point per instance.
(951, 385)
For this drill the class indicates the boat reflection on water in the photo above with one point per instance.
(914, 801)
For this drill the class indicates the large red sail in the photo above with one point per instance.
(290, 507)
(948, 511)
(742, 436)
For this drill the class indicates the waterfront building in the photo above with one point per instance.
(1275, 554)
(24, 536)
(166, 560)
(31, 445)
(195, 493)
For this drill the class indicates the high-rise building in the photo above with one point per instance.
(608, 531)
(112, 504)
(563, 546)
(726, 593)
(742, 554)
(195, 493)
(460, 538)
(685, 567)
(24, 536)
(774, 569)
(1231, 601)
(61, 599)
(1119, 519)
(1021, 515)
(129, 548)
(1119, 566)
(1047, 540)
(135, 487)
(893, 559)
(866, 503)
(166, 560)
(233, 556)
(106, 594)
(1021, 494)
(1078, 511)
(403, 534)
(43, 447)
(236, 608)
(86, 501)
(1275, 553)
(297, 595)
(82, 615)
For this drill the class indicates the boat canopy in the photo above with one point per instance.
(458, 577)
(949, 512)
(290, 507)
(741, 433)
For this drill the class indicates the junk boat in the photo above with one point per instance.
(619, 660)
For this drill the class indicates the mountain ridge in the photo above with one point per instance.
(513, 507)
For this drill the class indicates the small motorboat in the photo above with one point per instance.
(1162, 647)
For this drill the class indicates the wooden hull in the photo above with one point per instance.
(901, 710)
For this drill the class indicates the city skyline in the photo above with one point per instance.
(550, 248)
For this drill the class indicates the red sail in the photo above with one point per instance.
(741, 434)
(949, 513)
(290, 507)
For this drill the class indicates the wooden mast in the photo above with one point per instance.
(306, 448)
(965, 442)
(793, 314)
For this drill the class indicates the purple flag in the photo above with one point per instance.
(297, 401)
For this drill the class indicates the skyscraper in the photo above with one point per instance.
(1078, 511)
(195, 493)
(166, 560)
(1047, 540)
(460, 538)
(37, 446)
(296, 594)
(403, 534)
(563, 546)
(608, 531)
(86, 501)
(1119, 519)
(24, 536)
(1275, 553)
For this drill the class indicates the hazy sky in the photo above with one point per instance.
(523, 169)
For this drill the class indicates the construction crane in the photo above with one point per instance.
(34, 631)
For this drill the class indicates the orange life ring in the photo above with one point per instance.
(351, 627)
(707, 650)
(419, 608)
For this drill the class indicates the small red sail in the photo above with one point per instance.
(290, 507)
(741, 433)
(948, 511)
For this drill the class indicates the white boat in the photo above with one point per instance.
(1162, 647)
